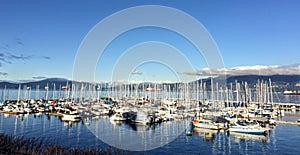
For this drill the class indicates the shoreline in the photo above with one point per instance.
(10, 144)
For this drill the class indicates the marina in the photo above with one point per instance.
(114, 115)
(149, 77)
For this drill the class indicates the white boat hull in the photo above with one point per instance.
(259, 131)
(205, 125)
(72, 118)
(253, 128)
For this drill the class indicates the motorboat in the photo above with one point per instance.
(118, 117)
(140, 118)
(71, 117)
(206, 124)
(248, 128)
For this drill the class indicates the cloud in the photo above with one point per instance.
(4, 47)
(39, 77)
(3, 74)
(26, 57)
(3, 59)
(7, 58)
(46, 57)
(19, 41)
(136, 72)
(20, 57)
(249, 70)
(207, 72)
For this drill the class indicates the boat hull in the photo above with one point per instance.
(206, 125)
(248, 130)
(73, 118)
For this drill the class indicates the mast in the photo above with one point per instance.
(212, 88)
(19, 93)
(237, 91)
(197, 90)
(271, 91)
(201, 91)
(47, 87)
(37, 92)
(4, 93)
(53, 91)
(217, 85)
(29, 92)
(227, 96)
(231, 93)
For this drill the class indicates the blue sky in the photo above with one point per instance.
(40, 38)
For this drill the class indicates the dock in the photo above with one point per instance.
(281, 106)
(56, 114)
(289, 106)
(289, 123)
(8, 112)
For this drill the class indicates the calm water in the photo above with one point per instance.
(283, 139)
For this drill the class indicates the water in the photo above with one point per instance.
(283, 139)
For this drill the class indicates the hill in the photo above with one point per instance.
(281, 82)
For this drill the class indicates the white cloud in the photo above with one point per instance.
(39, 77)
(249, 70)
(136, 72)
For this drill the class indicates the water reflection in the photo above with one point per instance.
(76, 134)
(245, 137)
(130, 136)
(69, 123)
(132, 126)
(207, 134)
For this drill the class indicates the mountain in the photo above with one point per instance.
(281, 82)
(274, 78)
(33, 84)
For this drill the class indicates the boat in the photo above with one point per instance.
(152, 89)
(71, 117)
(289, 92)
(11, 109)
(272, 121)
(169, 102)
(140, 118)
(248, 128)
(211, 120)
(189, 133)
(118, 117)
(206, 124)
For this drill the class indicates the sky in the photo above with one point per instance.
(41, 39)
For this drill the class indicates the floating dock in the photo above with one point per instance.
(289, 123)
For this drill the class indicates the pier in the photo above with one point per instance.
(289, 123)
(288, 106)
(280, 106)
